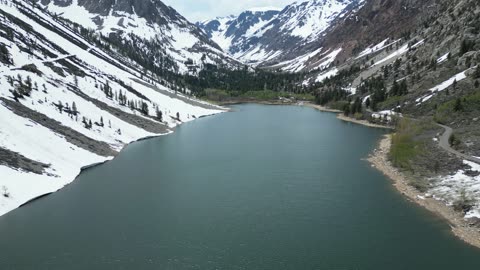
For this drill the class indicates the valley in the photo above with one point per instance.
(82, 80)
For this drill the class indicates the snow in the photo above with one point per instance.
(352, 90)
(308, 20)
(442, 86)
(178, 38)
(303, 21)
(326, 75)
(254, 54)
(449, 189)
(41, 144)
(387, 114)
(443, 58)
(399, 52)
(366, 98)
(373, 49)
(300, 63)
(257, 54)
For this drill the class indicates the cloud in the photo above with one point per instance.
(197, 10)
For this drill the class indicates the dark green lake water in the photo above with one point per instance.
(265, 187)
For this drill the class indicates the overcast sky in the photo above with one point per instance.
(197, 10)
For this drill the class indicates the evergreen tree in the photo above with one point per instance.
(74, 109)
(346, 110)
(159, 115)
(367, 103)
(395, 90)
(60, 106)
(458, 105)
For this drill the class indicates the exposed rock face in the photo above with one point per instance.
(235, 33)
(149, 20)
(270, 36)
(375, 21)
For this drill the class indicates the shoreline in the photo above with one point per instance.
(342, 117)
(459, 226)
(362, 122)
(320, 107)
(96, 164)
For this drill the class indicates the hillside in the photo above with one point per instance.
(176, 44)
(415, 64)
(65, 103)
(282, 39)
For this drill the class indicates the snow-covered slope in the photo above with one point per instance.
(147, 20)
(65, 104)
(270, 37)
(237, 34)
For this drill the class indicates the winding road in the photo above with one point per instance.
(445, 144)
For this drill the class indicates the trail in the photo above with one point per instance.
(445, 144)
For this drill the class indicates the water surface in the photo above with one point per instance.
(265, 187)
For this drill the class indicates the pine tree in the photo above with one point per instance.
(159, 115)
(74, 108)
(367, 103)
(458, 105)
(346, 110)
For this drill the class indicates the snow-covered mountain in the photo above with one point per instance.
(269, 37)
(66, 103)
(150, 22)
(237, 34)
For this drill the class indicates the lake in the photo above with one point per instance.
(263, 187)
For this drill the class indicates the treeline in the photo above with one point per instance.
(244, 79)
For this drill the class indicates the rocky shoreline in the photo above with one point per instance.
(342, 117)
(362, 122)
(460, 227)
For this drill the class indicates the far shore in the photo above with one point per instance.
(460, 227)
(342, 117)
(309, 104)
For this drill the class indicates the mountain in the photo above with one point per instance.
(68, 101)
(236, 35)
(156, 26)
(270, 37)
(416, 66)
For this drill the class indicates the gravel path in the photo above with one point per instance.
(445, 144)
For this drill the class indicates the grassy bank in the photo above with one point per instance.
(404, 147)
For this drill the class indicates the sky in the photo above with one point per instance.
(198, 10)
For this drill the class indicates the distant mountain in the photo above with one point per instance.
(236, 35)
(266, 37)
(148, 21)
